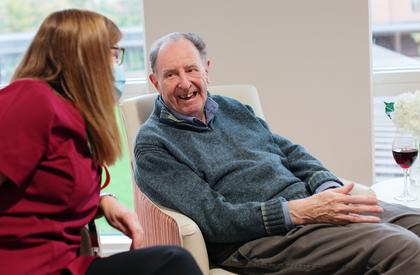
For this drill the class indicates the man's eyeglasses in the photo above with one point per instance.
(118, 54)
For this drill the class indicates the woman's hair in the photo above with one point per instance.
(72, 52)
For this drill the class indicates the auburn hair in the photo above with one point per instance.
(72, 52)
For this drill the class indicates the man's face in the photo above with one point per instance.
(181, 78)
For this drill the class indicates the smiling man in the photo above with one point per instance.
(263, 203)
(181, 77)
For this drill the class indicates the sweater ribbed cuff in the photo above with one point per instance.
(319, 178)
(327, 185)
(272, 213)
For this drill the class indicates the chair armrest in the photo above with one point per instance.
(163, 226)
(192, 238)
(159, 228)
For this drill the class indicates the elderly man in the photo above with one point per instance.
(263, 203)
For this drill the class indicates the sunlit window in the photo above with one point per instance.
(396, 34)
(21, 18)
(396, 70)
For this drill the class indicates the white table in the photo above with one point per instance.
(386, 190)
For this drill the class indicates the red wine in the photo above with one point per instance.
(405, 157)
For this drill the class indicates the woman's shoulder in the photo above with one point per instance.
(32, 91)
(26, 94)
(36, 98)
(27, 83)
(36, 93)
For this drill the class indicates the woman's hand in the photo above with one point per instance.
(122, 219)
(335, 206)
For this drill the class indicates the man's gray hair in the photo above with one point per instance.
(196, 40)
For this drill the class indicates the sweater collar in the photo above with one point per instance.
(171, 116)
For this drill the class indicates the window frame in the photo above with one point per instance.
(393, 82)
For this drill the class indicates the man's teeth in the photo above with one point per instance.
(188, 96)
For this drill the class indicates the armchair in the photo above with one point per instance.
(164, 226)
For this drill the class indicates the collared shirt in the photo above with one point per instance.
(210, 110)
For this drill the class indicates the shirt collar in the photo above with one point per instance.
(210, 110)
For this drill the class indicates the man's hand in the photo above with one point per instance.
(122, 219)
(334, 206)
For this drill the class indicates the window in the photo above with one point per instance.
(20, 20)
(396, 69)
(395, 34)
(415, 5)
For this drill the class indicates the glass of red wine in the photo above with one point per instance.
(405, 151)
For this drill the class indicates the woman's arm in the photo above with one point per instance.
(121, 218)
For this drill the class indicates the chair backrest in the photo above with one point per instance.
(136, 110)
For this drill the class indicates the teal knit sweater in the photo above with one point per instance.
(230, 176)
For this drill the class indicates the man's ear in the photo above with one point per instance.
(207, 65)
(206, 68)
(154, 81)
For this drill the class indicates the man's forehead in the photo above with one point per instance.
(177, 53)
(174, 43)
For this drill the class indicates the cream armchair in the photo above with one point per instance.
(164, 226)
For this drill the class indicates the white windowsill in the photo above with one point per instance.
(111, 244)
(395, 82)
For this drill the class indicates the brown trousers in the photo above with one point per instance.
(390, 247)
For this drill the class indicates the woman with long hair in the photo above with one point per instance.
(57, 131)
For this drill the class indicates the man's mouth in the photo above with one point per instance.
(188, 96)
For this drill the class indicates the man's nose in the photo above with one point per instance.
(184, 81)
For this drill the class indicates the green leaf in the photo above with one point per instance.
(389, 108)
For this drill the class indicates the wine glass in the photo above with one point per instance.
(405, 151)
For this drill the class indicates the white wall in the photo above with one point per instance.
(308, 59)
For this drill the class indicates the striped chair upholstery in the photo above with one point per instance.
(160, 228)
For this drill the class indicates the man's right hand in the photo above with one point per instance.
(334, 206)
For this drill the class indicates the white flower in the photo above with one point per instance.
(406, 114)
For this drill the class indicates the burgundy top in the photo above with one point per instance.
(53, 186)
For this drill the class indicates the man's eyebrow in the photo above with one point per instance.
(191, 66)
(169, 71)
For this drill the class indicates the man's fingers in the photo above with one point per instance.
(345, 189)
(361, 199)
(355, 218)
(362, 209)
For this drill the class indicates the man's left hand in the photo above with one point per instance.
(335, 206)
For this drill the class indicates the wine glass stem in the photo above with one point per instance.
(405, 192)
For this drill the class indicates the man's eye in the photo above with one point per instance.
(193, 70)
